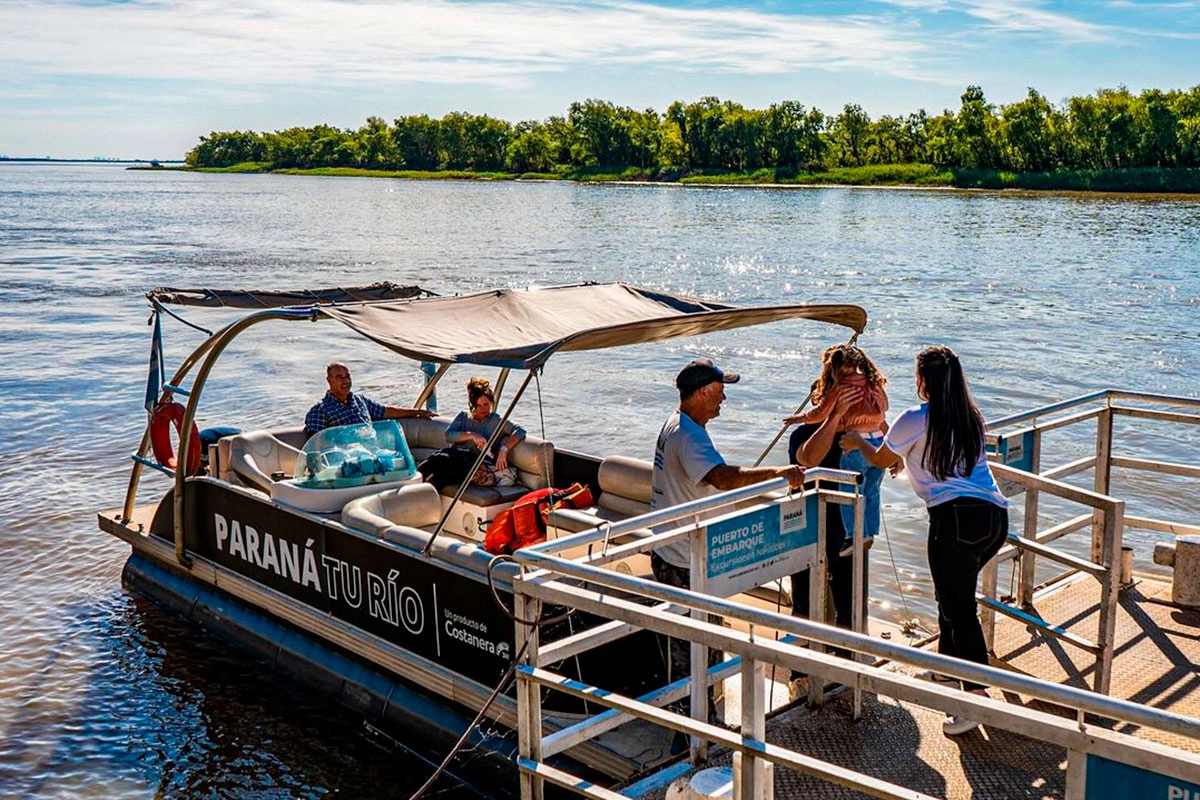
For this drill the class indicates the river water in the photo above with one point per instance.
(104, 694)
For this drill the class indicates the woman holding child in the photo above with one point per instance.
(941, 444)
(847, 396)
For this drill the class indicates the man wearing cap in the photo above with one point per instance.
(688, 466)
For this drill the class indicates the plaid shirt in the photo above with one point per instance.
(331, 412)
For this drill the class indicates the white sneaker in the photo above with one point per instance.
(957, 726)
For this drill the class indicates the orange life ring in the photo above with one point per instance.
(166, 415)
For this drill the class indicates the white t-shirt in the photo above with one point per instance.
(683, 455)
(906, 438)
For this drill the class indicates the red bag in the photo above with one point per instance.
(524, 523)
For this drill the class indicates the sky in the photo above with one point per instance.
(147, 78)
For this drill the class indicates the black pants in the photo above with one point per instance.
(679, 650)
(447, 467)
(964, 534)
(839, 572)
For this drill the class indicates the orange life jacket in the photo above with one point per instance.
(524, 523)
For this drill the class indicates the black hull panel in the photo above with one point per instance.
(397, 708)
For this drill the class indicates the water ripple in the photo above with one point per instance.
(1044, 297)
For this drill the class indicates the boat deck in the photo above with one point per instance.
(1157, 663)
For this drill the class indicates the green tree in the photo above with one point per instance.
(975, 131)
(225, 149)
(417, 140)
(377, 146)
(1027, 134)
(530, 151)
(848, 136)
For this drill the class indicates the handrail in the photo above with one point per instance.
(1107, 395)
(689, 509)
(1068, 696)
(135, 474)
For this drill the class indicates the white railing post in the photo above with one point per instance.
(529, 695)
(1110, 587)
(698, 651)
(1076, 775)
(987, 616)
(858, 618)
(750, 774)
(1028, 561)
(817, 588)
(1100, 483)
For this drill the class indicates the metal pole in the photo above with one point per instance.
(858, 613)
(529, 695)
(432, 372)
(215, 347)
(1100, 484)
(1028, 561)
(697, 582)
(135, 474)
(817, 581)
(751, 772)
(427, 393)
(779, 435)
(1110, 588)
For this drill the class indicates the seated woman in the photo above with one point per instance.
(468, 434)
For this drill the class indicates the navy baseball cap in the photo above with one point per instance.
(701, 373)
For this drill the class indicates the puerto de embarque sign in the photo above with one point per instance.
(763, 544)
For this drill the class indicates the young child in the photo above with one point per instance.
(844, 365)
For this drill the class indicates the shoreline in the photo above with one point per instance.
(688, 182)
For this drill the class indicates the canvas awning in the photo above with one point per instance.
(521, 329)
(255, 298)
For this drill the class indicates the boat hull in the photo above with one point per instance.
(426, 725)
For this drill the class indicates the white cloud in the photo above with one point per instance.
(505, 44)
(1013, 16)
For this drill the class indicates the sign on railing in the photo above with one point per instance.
(763, 544)
(1013, 450)
(1112, 780)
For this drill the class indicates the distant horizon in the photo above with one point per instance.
(142, 76)
(95, 159)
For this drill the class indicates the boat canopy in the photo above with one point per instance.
(255, 298)
(518, 329)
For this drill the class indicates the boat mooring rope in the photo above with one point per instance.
(504, 681)
(462, 740)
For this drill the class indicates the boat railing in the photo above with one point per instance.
(1018, 464)
(751, 636)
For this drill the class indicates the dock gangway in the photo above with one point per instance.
(758, 640)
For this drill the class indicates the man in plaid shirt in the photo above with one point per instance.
(340, 406)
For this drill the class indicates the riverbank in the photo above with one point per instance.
(1144, 180)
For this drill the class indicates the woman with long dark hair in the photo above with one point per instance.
(941, 443)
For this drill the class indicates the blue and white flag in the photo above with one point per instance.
(155, 378)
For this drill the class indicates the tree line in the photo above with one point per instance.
(1113, 129)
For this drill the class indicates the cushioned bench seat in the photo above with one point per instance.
(624, 493)
(251, 458)
(533, 458)
(407, 517)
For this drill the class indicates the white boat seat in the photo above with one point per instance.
(256, 455)
(624, 493)
(416, 506)
(424, 436)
